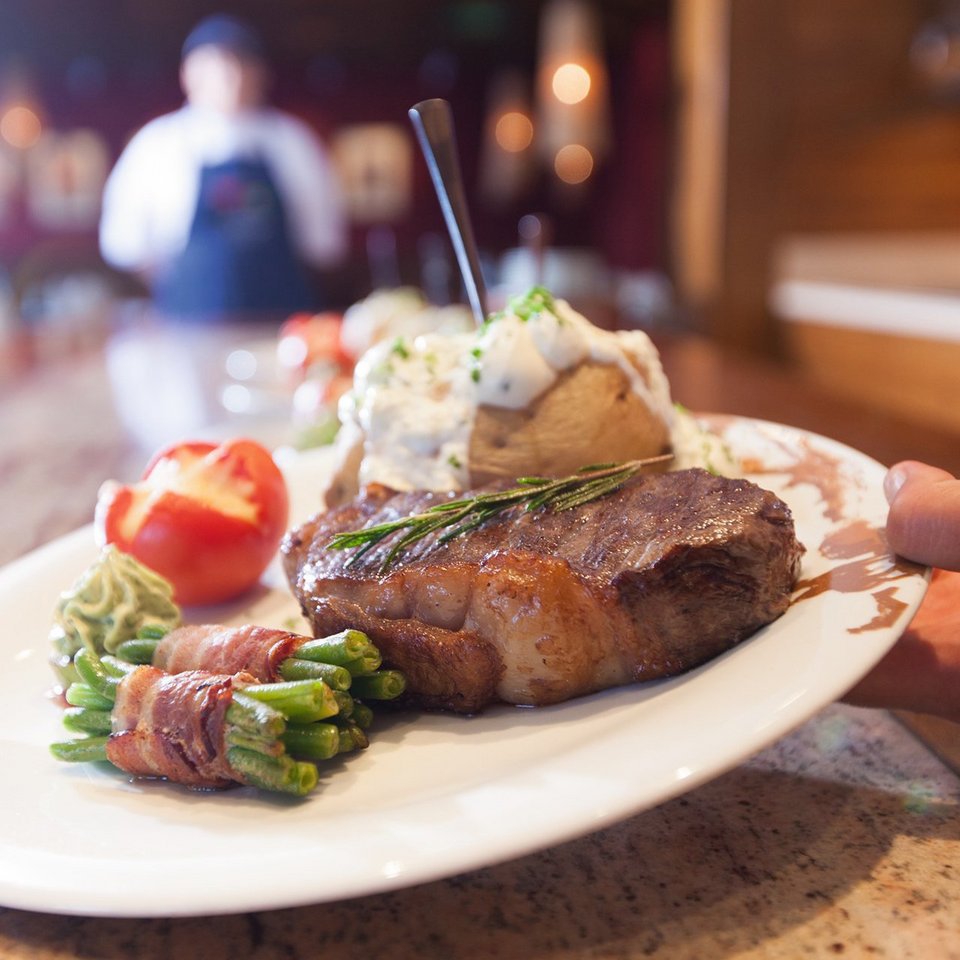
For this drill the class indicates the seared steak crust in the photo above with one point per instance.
(535, 608)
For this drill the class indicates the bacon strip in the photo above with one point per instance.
(258, 651)
(172, 726)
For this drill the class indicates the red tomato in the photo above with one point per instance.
(209, 517)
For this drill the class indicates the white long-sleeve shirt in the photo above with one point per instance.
(151, 194)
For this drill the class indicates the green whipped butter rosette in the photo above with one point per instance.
(112, 601)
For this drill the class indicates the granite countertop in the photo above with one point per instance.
(842, 839)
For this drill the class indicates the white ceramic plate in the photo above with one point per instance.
(437, 795)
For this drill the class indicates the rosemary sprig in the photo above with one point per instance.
(457, 517)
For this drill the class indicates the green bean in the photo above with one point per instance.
(382, 685)
(352, 737)
(341, 648)
(138, 650)
(337, 678)
(92, 672)
(87, 750)
(302, 701)
(364, 666)
(335, 660)
(82, 695)
(261, 746)
(83, 720)
(362, 715)
(250, 714)
(255, 742)
(117, 668)
(281, 774)
(153, 631)
(313, 741)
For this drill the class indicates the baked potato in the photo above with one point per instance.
(537, 390)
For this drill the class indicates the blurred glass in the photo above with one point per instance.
(176, 381)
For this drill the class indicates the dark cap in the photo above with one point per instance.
(230, 33)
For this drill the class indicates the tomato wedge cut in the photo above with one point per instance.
(207, 516)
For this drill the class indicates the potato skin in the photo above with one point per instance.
(590, 415)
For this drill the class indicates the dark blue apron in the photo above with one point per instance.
(238, 258)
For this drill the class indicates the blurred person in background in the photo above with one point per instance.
(225, 207)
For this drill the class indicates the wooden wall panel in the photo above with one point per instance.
(828, 128)
(906, 377)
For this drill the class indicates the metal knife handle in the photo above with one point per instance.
(433, 122)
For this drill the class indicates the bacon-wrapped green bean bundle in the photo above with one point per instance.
(269, 655)
(202, 729)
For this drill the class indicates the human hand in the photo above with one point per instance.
(922, 671)
(924, 519)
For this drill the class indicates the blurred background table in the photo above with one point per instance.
(840, 840)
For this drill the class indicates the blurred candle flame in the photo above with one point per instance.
(20, 126)
(514, 131)
(573, 163)
(573, 120)
(571, 83)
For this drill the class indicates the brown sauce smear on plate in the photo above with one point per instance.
(869, 566)
(866, 561)
(808, 466)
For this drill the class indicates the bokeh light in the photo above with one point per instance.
(571, 83)
(573, 163)
(514, 131)
(20, 127)
(241, 365)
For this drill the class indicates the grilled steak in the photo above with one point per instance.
(537, 607)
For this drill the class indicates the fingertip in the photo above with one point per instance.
(896, 477)
(909, 471)
(923, 523)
